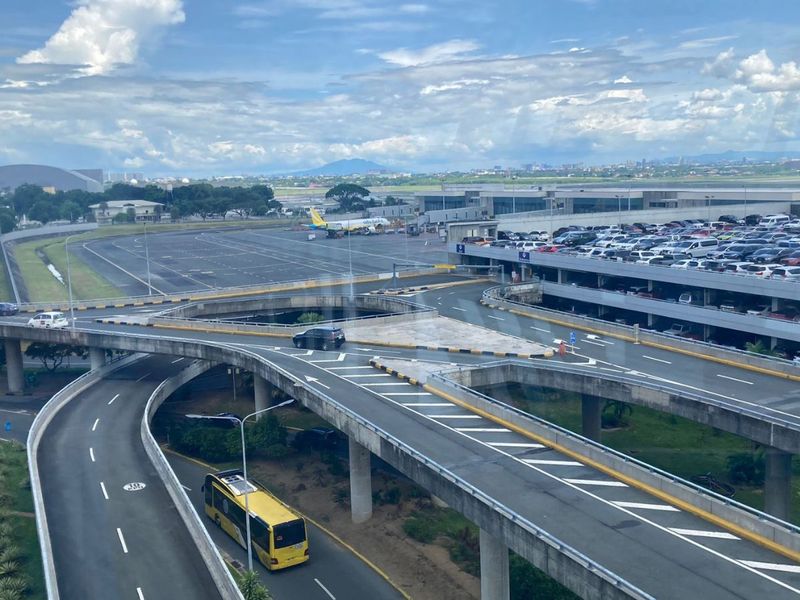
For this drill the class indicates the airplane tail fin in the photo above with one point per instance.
(316, 219)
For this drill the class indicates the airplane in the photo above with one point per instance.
(371, 224)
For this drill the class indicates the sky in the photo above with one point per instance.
(208, 87)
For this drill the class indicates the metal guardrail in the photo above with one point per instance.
(574, 554)
(698, 489)
(490, 296)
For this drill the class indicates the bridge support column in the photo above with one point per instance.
(591, 423)
(777, 483)
(494, 568)
(97, 357)
(360, 482)
(261, 391)
(16, 378)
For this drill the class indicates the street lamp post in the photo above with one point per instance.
(244, 468)
(619, 210)
(709, 198)
(745, 201)
(69, 282)
(514, 194)
(147, 259)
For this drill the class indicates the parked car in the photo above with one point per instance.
(695, 298)
(318, 438)
(48, 320)
(686, 263)
(324, 337)
(678, 329)
(787, 273)
(792, 260)
(8, 309)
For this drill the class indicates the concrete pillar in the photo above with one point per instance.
(97, 357)
(591, 424)
(777, 483)
(561, 277)
(16, 378)
(494, 568)
(261, 392)
(360, 482)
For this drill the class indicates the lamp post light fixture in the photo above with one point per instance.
(147, 260)
(69, 281)
(244, 467)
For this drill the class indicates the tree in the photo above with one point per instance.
(7, 220)
(44, 210)
(70, 210)
(53, 355)
(252, 588)
(615, 413)
(349, 196)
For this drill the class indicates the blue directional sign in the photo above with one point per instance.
(8, 425)
(572, 338)
(525, 256)
(461, 248)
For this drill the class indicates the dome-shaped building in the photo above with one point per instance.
(13, 176)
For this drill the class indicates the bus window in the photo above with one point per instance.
(260, 533)
(219, 498)
(289, 534)
(207, 491)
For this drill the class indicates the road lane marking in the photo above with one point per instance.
(495, 318)
(403, 383)
(343, 368)
(734, 379)
(405, 393)
(372, 375)
(122, 540)
(723, 535)
(540, 329)
(103, 487)
(91, 454)
(96, 421)
(112, 400)
(458, 309)
(431, 404)
(771, 566)
(601, 482)
(142, 377)
(661, 360)
(482, 429)
(324, 589)
(645, 506)
(177, 360)
(454, 416)
(515, 445)
(141, 595)
(188, 489)
(310, 379)
(557, 463)
(594, 343)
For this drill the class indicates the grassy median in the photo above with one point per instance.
(21, 574)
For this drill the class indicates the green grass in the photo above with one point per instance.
(86, 283)
(6, 292)
(673, 444)
(16, 496)
(39, 282)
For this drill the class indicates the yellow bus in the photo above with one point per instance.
(278, 535)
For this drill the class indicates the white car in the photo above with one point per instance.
(48, 320)
(685, 264)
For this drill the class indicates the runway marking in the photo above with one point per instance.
(540, 329)
(771, 566)
(482, 429)
(112, 400)
(515, 445)
(458, 309)
(96, 421)
(177, 360)
(122, 540)
(91, 454)
(723, 535)
(454, 416)
(734, 379)
(645, 506)
(600, 482)
(139, 591)
(103, 487)
(324, 589)
(495, 318)
(430, 404)
(142, 377)
(661, 360)
(558, 463)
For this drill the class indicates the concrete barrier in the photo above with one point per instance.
(40, 423)
(208, 550)
(706, 504)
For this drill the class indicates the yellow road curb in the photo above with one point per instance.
(690, 508)
(327, 531)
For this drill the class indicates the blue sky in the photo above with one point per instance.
(200, 87)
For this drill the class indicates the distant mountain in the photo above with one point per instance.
(737, 156)
(349, 166)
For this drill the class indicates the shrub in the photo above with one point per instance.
(392, 496)
(529, 582)
(310, 317)
(252, 588)
(747, 468)
(418, 529)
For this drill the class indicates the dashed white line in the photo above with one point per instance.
(141, 595)
(495, 318)
(372, 375)
(177, 360)
(771, 566)
(406, 394)
(188, 489)
(515, 445)
(110, 402)
(558, 463)
(594, 343)
(661, 360)
(540, 329)
(91, 454)
(723, 535)
(459, 309)
(324, 589)
(344, 368)
(601, 482)
(431, 404)
(454, 416)
(96, 421)
(645, 506)
(103, 487)
(397, 383)
(122, 540)
(483, 430)
(142, 377)
(734, 379)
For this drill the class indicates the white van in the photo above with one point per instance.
(773, 221)
(696, 248)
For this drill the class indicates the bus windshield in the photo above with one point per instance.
(288, 534)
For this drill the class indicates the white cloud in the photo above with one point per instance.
(415, 8)
(759, 73)
(102, 34)
(722, 66)
(705, 42)
(623, 79)
(437, 53)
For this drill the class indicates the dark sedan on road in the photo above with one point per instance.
(323, 337)
(8, 309)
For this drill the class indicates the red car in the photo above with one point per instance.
(793, 260)
(550, 248)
